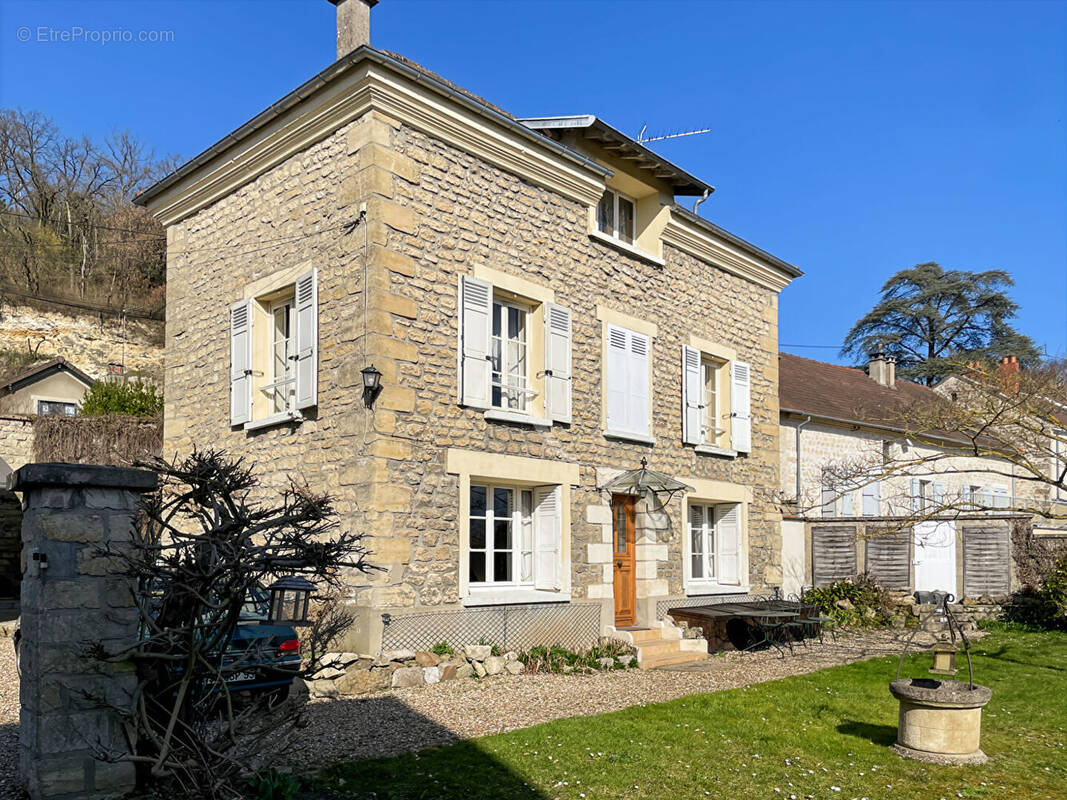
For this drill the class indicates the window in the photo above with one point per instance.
(628, 389)
(716, 396)
(926, 495)
(711, 418)
(281, 389)
(509, 378)
(615, 216)
(501, 535)
(274, 354)
(714, 543)
(497, 335)
(514, 537)
(45, 407)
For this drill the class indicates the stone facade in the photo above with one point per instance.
(387, 293)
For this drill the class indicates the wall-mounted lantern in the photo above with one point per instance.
(372, 384)
(289, 600)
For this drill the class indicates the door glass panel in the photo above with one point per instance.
(620, 528)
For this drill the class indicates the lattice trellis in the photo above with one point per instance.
(514, 627)
(663, 606)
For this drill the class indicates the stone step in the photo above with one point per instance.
(677, 657)
(647, 635)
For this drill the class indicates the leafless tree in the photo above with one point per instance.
(205, 547)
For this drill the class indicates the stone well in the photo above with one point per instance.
(940, 721)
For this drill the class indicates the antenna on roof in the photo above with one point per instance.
(642, 139)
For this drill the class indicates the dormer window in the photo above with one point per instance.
(615, 216)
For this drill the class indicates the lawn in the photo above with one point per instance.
(822, 735)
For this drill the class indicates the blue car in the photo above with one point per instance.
(261, 657)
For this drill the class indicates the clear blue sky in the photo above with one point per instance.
(850, 138)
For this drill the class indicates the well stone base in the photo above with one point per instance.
(977, 757)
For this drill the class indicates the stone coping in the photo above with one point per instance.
(32, 476)
(935, 693)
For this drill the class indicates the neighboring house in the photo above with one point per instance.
(834, 416)
(51, 387)
(543, 316)
(1051, 451)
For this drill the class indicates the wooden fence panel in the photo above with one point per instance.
(986, 560)
(833, 553)
(889, 557)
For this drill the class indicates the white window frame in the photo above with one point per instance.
(710, 530)
(614, 232)
(523, 394)
(522, 522)
(288, 379)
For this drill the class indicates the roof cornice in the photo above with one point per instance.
(710, 243)
(368, 80)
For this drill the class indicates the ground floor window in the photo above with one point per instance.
(514, 537)
(501, 535)
(57, 407)
(714, 543)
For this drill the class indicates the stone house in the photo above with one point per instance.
(543, 316)
(833, 416)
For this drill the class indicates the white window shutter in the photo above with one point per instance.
(475, 328)
(640, 394)
(692, 397)
(916, 494)
(728, 538)
(548, 537)
(557, 363)
(306, 349)
(847, 507)
(939, 494)
(1000, 497)
(871, 499)
(741, 407)
(241, 362)
(829, 502)
(618, 368)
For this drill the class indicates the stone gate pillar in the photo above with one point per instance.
(71, 597)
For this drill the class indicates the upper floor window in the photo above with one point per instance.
(510, 378)
(716, 396)
(628, 377)
(274, 354)
(497, 331)
(615, 216)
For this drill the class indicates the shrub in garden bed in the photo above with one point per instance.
(559, 659)
(861, 603)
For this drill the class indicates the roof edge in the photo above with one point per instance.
(331, 73)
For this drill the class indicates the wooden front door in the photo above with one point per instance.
(625, 577)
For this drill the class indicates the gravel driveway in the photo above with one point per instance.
(401, 720)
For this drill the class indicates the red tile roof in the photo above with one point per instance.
(844, 393)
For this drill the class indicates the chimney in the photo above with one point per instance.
(353, 24)
(1008, 372)
(883, 369)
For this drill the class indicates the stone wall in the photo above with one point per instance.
(71, 599)
(88, 340)
(433, 213)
